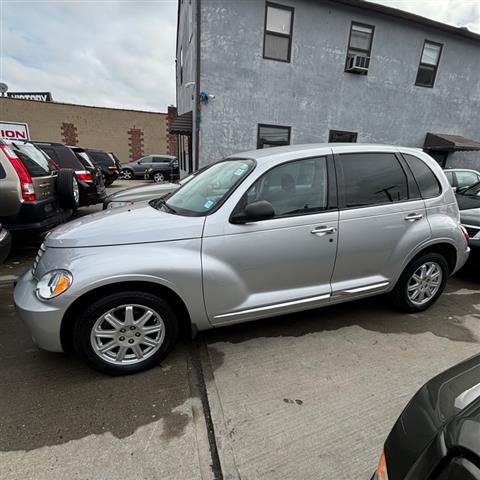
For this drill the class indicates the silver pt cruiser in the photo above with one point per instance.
(258, 234)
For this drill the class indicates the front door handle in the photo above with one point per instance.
(321, 231)
(412, 217)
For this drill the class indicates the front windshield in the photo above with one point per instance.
(208, 188)
(474, 190)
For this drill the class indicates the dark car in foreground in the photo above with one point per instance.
(89, 178)
(437, 436)
(5, 243)
(468, 200)
(107, 164)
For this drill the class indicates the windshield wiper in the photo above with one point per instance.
(161, 202)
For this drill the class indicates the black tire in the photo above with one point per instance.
(86, 321)
(399, 295)
(127, 174)
(67, 189)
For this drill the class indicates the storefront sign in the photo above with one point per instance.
(14, 131)
(38, 96)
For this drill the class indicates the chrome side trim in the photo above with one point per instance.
(277, 305)
(366, 288)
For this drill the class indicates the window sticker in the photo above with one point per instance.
(208, 204)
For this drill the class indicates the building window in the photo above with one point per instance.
(273, 136)
(277, 43)
(340, 136)
(427, 70)
(359, 48)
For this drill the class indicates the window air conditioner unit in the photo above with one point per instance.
(358, 64)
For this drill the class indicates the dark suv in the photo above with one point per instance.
(34, 193)
(89, 177)
(107, 164)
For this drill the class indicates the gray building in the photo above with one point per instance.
(254, 73)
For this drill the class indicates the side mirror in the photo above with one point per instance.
(254, 212)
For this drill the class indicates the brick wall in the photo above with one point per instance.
(69, 133)
(172, 146)
(135, 143)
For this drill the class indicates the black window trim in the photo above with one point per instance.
(332, 189)
(361, 50)
(341, 181)
(273, 126)
(330, 132)
(276, 34)
(415, 178)
(426, 65)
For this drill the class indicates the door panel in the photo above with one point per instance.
(267, 265)
(282, 264)
(374, 243)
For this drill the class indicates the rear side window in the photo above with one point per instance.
(372, 179)
(100, 157)
(426, 179)
(62, 156)
(36, 163)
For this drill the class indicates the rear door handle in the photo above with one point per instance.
(321, 231)
(412, 217)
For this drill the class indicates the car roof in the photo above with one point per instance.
(320, 149)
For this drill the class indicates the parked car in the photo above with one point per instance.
(461, 177)
(437, 435)
(137, 168)
(259, 234)
(107, 164)
(5, 243)
(144, 193)
(34, 195)
(163, 172)
(89, 177)
(469, 204)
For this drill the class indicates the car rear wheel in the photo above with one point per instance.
(158, 177)
(68, 189)
(126, 332)
(421, 284)
(127, 174)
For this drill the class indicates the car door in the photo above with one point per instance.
(143, 164)
(277, 265)
(382, 221)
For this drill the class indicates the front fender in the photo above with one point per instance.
(175, 265)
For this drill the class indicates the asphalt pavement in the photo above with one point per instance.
(304, 396)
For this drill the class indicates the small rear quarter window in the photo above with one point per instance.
(427, 181)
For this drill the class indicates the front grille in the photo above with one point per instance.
(472, 231)
(40, 253)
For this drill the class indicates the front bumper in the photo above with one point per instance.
(43, 319)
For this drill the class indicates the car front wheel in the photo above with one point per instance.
(421, 284)
(126, 332)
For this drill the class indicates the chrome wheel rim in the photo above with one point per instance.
(128, 334)
(76, 192)
(127, 175)
(425, 283)
(158, 177)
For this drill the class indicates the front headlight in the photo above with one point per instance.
(53, 283)
(118, 204)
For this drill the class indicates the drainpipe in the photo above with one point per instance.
(197, 88)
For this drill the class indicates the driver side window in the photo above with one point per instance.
(294, 188)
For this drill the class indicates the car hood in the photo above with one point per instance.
(143, 192)
(471, 216)
(123, 226)
(438, 404)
